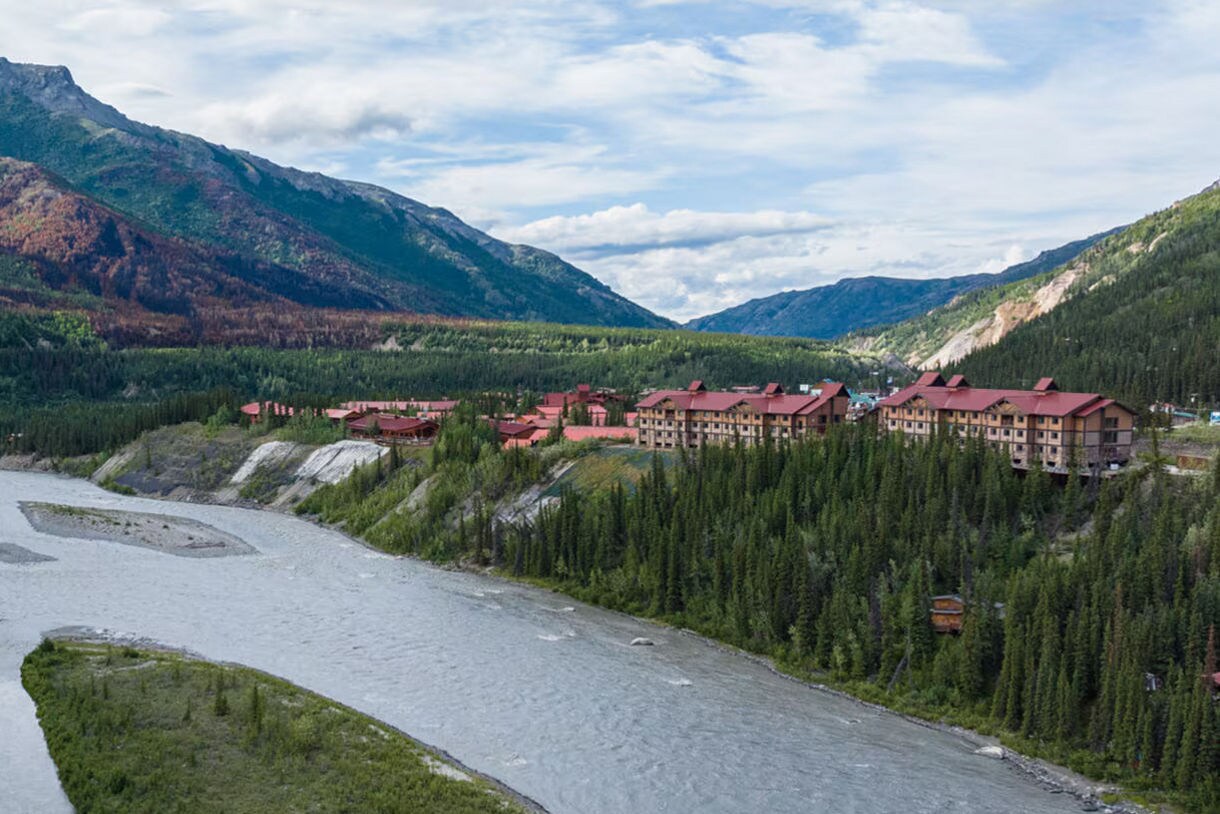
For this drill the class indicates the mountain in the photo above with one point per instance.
(283, 233)
(1137, 315)
(849, 305)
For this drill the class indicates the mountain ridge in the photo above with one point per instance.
(386, 250)
(856, 303)
(1151, 289)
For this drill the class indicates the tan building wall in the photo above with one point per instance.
(1100, 438)
(667, 425)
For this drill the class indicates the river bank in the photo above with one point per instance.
(804, 754)
(153, 723)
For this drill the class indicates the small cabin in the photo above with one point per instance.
(947, 612)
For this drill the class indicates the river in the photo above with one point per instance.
(525, 685)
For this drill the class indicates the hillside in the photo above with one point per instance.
(1142, 321)
(1137, 311)
(849, 305)
(318, 241)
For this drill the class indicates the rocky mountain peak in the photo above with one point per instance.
(53, 88)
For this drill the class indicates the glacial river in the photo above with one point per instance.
(522, 684)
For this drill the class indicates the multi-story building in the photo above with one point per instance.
(696, 416)
(1040, 426)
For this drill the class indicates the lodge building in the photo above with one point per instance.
(697, 416)
(1042, 425)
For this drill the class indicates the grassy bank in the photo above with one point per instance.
(139, 731)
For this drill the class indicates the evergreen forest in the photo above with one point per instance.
(1089, 632)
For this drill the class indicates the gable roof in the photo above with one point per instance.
(720, 401)
(1048, 402)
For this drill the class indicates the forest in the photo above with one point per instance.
(67, 394)
(1088, 635)
(1089, 631)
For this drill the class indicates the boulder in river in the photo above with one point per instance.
(996, 752)
(636, 642)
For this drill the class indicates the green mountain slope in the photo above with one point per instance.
(356, 243)
(849, 305)
(1147, 329)
(1137, 315)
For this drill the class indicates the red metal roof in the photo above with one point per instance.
(930, 379)
(974, 399)
(719, 401)
(512, 428)
(957, 380)
(390, 423)
(1095, 406)
(1045, 384)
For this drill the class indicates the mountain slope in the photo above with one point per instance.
(849, 305)
(1137, 315)
(1142, 322)
(343, 242)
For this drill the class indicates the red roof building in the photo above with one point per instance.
(1042, 425)
(423, 409)
(583, 394)
(697, 416)
(392, 429)
(256, 411)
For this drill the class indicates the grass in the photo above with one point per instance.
(600, 469)
(140, 731)
(1196, 434)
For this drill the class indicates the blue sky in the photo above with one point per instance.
(692, 153)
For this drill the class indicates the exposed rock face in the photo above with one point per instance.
(1007, 316)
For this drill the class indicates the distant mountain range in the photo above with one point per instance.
(855, 303)
(107, 212)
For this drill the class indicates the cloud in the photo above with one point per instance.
(636, 227)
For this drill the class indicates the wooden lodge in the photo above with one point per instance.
(1042, 426)
(387, 428)
(697, 416)
(947, 612)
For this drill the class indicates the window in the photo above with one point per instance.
(1111, 423)
(1110, 437)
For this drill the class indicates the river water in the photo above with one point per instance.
(522, 684)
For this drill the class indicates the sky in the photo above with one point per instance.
(693, 154)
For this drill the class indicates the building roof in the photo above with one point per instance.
(720, 401)
(1047, 402)
(257, 408)
(512, 429)
(341, 413)
(571, 433)
(389, 423)
(436, 406)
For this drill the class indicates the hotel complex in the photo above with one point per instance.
(1042, 425)
(696, 416)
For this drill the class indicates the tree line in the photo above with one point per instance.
(1089, 630)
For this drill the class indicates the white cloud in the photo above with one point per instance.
(637, 226)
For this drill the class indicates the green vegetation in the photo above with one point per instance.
(313, 240)
(825, 556)
(1141, 320)
(440, 507)
(44, 390)
(138, 731)
(1148, 331)
(1201, 434)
